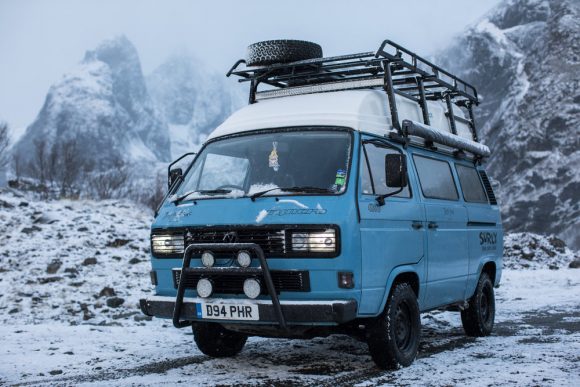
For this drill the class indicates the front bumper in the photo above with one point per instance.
(295, 312)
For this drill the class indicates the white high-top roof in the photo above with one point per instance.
(362, 110)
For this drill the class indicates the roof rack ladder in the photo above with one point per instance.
(424, 108)
(450, 113)
(388, 86)
(469, 105)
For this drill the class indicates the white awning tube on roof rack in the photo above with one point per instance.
(445, 138)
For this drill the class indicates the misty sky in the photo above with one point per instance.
(42, 39)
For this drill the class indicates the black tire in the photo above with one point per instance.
(281, 51)
(214, 340)
(478, 318)
(393, 338)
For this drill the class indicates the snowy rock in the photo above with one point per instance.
(107, 292)
(89, 261)
(53, 266)
(523, 58)
(532, 251)
(30, 230)
(575, 264)
(115, 302)
(70, 295)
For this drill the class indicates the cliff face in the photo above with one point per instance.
(104, 107)
(524, 58)
(193, 99)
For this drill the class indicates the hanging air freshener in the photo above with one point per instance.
(273, 158)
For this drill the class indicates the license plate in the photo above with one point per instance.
(227, 311)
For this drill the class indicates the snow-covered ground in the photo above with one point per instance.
(61, 324)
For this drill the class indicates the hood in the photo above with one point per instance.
(296, 209)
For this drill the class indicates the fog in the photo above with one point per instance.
(41, 40)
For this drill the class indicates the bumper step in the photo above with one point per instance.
(295, 312)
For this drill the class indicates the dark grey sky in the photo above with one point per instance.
(40, 39)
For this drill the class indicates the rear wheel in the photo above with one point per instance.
(214, 340)
(393, 338)
(479, 317)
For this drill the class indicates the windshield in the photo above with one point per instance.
(305, 161)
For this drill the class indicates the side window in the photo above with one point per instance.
(221, 170)
(373, 178)
(435, 178)
(470, 184)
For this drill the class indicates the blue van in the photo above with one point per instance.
(348, 197)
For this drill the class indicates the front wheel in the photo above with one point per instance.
(479, 317)
(393, 338)
(214, 340)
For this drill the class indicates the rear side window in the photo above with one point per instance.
(373, 178)
(470, 184)
(435, 178)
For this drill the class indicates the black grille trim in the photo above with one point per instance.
(232, 281)
(488, 187)
(275, 240)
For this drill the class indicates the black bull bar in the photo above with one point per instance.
(225, 247)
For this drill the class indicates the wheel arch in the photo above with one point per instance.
(488, 265)
(401, 274)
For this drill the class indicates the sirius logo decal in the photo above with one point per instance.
(487, 240)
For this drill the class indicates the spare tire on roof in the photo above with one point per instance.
(281, 51)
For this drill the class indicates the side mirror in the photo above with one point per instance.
(174, 174)
(396, 170)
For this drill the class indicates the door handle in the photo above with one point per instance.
(417, 225)
(433, 225)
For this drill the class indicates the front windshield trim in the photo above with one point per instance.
(350, 131)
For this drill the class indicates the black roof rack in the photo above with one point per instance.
(408, 75)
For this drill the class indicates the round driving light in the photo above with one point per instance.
(207, 259)
(252, 288)
(204, 288)
(244, 258)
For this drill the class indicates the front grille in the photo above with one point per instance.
(488, 188)
(275, 240)
(272, 241)
(232, 282)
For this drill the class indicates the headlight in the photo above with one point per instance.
(207, 259)
(315, 241)
(244, 258)
(167, 244)
(204, 288)
(252, 288)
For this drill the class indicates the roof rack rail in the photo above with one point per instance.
(392, 67)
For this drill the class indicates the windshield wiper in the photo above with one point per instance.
(306, 189)
(220, 191)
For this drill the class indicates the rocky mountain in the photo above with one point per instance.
(194, 99)
(104, 107)
(524, 58)
(111, 111)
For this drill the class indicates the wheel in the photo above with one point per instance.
(214, 340)
(478, 318)
(393, 338)
(281, 51)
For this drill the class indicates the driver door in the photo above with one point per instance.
(392, 234)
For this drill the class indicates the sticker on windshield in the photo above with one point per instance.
(340, 177)
(273, 158)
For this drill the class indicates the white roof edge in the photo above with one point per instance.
(363, 110)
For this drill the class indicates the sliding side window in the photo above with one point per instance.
(435, 178)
